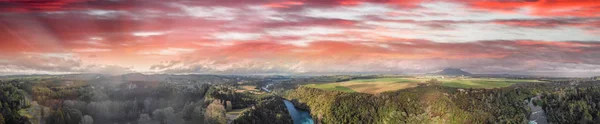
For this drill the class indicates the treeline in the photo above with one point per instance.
(12, 101)
(271, 110)
(573, 104)
(58, 101)
(423, 104)
(164, 103)
(260, 108)
(238, 100)
(504, 105)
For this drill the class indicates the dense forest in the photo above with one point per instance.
(73, 102)
(12, 101)
(62, 101)
(564, 102)
(424, 104)
(226, 93)
(268, 111)
(579, 104)
(59, 101)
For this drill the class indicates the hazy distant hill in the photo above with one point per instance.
(143, 77)
(452, 71)
(83, 76)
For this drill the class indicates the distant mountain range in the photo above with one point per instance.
(452, 72)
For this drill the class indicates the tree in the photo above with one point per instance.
(228, 105)
(65, 116)
(1, 118)
(268, 111)
(198, 114)
(72, 116)
(57, 118)
(587, 117)
(87, 120)
(166, 115)
(597, 119)
(433, 81)
(215, 113)
(145, 119)
(11, 101)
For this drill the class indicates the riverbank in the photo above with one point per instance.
(537, 115)
(299, 116)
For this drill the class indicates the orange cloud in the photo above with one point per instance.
(285, 4)
(581, 8)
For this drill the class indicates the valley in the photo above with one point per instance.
(186, 99)
(383, 84)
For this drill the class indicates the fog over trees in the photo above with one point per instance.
(59, 101)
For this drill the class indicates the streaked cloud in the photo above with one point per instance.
(236, 36)
(210, 13)
(91, 50)
(147, 34)
(296, 37)
(168, 51)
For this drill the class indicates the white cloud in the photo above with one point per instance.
(454, 12)
(96, 38)
(149, 33)
(302, 31)
(236, 36)
(216, 44)
(92, 50)
(101, 12)
(169, 51)
(349, 13)
(472, 32)
(51, 55)
(97, 43)
(394, 25)
(53, 63)
(106, 13)
(263, 13)
(210, 13)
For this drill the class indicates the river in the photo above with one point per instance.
(266, 88)
(299, 116)
(537, 116)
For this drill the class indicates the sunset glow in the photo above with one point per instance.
(545, 37)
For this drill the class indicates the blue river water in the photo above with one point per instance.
(537, 116)
(299, 116)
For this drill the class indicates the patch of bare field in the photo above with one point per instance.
(251, 89)
(376, 87)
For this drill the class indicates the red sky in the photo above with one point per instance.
(545, 37)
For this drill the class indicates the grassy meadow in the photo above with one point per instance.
(379, 85)
(331, 86)
(482, 82)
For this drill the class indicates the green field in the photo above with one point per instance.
(331, 86)
(395, 80)
(482, 83)
(379, 85)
